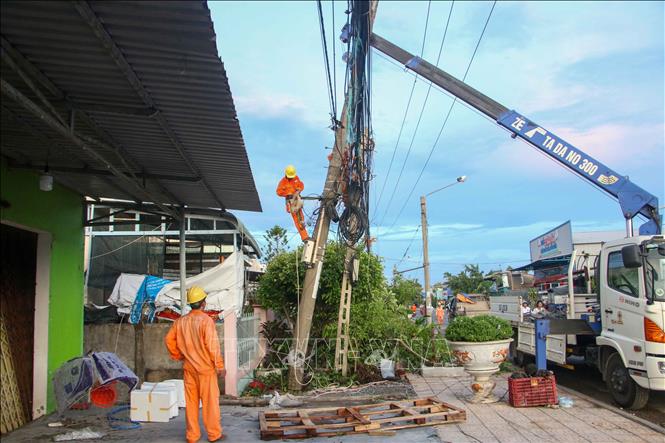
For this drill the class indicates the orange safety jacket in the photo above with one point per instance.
(193, 338)
(289, 186)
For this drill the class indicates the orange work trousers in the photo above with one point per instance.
(204, 388)
(298, 219)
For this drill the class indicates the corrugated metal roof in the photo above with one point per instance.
(161, 104)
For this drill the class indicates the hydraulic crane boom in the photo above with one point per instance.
(632, 199)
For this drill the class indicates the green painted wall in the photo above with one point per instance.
(59, 212)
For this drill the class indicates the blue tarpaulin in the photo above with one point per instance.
(146, 296)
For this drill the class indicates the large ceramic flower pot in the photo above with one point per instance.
(481, 360)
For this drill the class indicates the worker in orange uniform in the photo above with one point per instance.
(193, 339)
(440, 315)
(290, 188)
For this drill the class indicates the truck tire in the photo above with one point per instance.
(623, 388)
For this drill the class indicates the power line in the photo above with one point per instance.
(422, 111)
(324, 45)
(409, 246)
(334, 56)
(474, 110)
(458, 263)
(406, 113)
(445, 121)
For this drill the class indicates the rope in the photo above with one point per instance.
(121, 424)
(125, 245)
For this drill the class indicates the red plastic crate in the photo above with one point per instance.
(533, 391)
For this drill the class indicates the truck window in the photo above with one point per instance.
(621, 278)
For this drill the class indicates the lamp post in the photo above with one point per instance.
(423, 217)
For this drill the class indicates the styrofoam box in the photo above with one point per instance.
(150, 406)
(171, 388)
(182, 401)
(180, 389)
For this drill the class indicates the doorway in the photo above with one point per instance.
(18, 264)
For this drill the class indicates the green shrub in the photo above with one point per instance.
(479, 329)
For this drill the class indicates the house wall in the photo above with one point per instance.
(57, 214)
(142, 348)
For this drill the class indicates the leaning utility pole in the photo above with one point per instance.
(320, 236)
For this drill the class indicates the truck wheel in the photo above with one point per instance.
(623, 388)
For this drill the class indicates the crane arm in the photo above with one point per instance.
(632, 199)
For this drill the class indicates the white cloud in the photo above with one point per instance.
(271, 105)
(620, 146)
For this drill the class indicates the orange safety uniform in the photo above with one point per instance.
(439, 315)
(193, 339)
(288, 187)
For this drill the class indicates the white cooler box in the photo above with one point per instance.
(180, 389)
(157, 402)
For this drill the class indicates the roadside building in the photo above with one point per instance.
(553, 253)
(121, 100)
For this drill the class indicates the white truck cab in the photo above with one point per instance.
(629, 301)
(632, 305)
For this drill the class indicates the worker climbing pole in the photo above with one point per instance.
(290, 188)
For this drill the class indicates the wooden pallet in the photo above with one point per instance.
(377, 419)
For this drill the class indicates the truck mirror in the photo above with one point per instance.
(631, 256)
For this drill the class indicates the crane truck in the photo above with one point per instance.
(619, 328)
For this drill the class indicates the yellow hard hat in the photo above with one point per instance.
(290, 171)
(195, 294)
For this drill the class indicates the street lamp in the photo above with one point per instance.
(423, 216)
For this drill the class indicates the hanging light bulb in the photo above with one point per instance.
(46, 180)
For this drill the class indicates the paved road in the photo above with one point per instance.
(588, 381)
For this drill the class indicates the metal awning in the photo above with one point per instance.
(125, 100)
(545, 263)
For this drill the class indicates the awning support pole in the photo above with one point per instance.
(183, 263)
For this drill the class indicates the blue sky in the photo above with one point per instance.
(591, 72)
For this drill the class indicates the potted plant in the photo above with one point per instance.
(480, 344)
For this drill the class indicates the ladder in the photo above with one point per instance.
(344, 316)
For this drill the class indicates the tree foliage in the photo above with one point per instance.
(278, 287)
(276, 242)
(379, 328)
(405, 290)
(469, 281)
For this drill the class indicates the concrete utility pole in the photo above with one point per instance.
(320, 235)
(423, 221)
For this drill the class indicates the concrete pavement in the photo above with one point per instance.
(501, 423)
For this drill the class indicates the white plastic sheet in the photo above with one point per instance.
(224, 285)
(124, 292)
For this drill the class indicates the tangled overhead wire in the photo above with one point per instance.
(358, 148)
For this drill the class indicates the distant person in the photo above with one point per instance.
(526, 310)
(539, 309)
(439, 314)
(414, 308)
